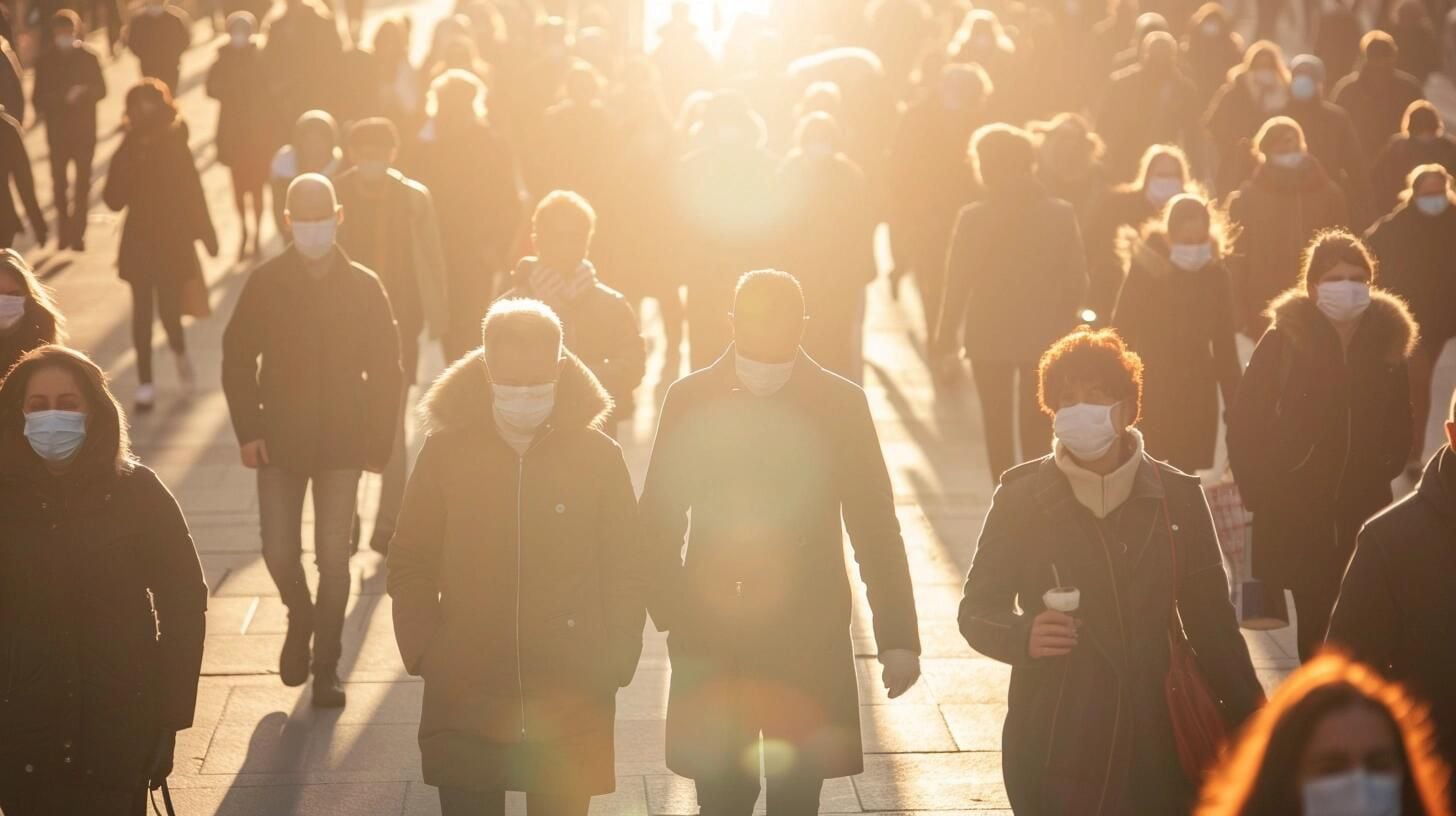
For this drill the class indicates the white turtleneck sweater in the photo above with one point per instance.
(1101, 494)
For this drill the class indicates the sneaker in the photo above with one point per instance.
(293, 662)
(328, 691)
(186, 374)
(146, 398)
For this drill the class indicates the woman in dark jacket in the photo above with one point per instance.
(1176, 311)
(1415, 246)
(1256, 89)
(29, 317)
(1322, 424)
(245, 122)
(1162, 174)
(153, 177)
(522, 605)
(1289, 200)
(1422, 140)
(102, 600)
(1211, 48)
(1014, 278)
(1130, 544)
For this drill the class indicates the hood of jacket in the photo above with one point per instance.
(1388, 322)
(461, 398)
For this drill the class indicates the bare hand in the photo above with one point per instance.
(1053, 634)
(255, 454)
(902, 669)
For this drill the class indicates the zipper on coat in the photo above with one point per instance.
(520, 521)
(1122, 632)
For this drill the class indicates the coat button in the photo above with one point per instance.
(560, 508)
(67, 760)
(1175, 528)
(29, 768)
(571, 623)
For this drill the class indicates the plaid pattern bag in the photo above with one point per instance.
(1259, 606)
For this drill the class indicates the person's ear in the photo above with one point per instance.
(1451, 434)
(338, 215)
(288, 219)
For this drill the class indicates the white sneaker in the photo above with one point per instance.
(185, 373)
(146, 398)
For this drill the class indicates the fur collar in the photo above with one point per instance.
(1388, 322)
(461, 397)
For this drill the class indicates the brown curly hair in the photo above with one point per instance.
(1090, 356)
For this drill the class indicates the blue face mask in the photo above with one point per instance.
(55, 436)
(1432, 204)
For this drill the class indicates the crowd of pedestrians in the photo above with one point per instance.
(1095, 210)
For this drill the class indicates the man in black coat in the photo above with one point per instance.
(1377, 94)
(15, 166)
(1146, 104)
(770, 454)
(312, 377)
(1330, 135)
(1396, 609)
(159, 34)
(68, 86)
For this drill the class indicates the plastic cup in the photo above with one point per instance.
(1062, 599)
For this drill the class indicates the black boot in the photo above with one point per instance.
(328, 692)
(293, 662)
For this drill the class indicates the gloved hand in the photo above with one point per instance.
(902, 669)
(160, 766)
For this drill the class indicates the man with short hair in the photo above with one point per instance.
(770, 454)
(389, 226)
(312, 377)
(1377, 94)
(68, 87)
(1397, 610)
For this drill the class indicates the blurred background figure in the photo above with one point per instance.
(244, 124)
(1422, 140)
(1146, 104)
(314, 149)
(302, 53)
(1330, 137)
(159, 34)
(1257, 89)
(15, 169)
(68, 87)
(1378, 93)
(29, 317)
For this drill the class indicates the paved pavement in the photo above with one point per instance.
(258, 748)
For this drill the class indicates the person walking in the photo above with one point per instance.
(68, 87)
(102, 600)
(153, 178)
(600, 326)
(1015, 277)
(1176, 312)
(1377, 94)
(159, 33)
(1393, 607)
(1330, 136)
(1256, 90)
(390, 228)
(1414, 245)
(770, 455)
(15, 169)
(1322, 424)
(244, 124)
(312, 377)
(29, 317)
(1087, 560)
(524, 612)
(1148, 104)
(314, 149)
(1423, 140)
(1289, 199)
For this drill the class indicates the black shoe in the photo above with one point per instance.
(379, 541)
(328, 692)
(293, 662)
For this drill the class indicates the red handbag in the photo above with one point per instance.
(1193, 709)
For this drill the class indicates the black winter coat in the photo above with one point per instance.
(1088, 733)
(1331, 138)
(1417, 254)
(312, 366)
(56, 73)
(245, 129)
(1396, 611)
(159, 41)
(153, 177)
(1316, 435)
(1389, 176)
(36, 328)
(1015, 277)
(1144, 107)
(759, 609)
(1182, 325)
(102, 605)
(15, 167)
(518, 589)
(1376, 103)
(1121, 210)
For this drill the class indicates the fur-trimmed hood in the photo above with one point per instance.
(461, 397)
(1388, 320)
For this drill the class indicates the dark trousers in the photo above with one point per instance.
(1313, 606)
(149, 299)
(462, 802)
(996, 382)
(71, 203)
(788, 795)
(51, 797)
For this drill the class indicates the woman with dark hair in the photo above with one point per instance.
(1335, 738)
(102, 600)
(1177, 312)
(1322, 424)
(1211, 48)
(29, 317)
(1423, 140)
(1256, 89)
(154, 179)
(1092, 563)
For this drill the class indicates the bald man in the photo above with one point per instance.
(311, 370)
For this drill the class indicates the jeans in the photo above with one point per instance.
(462, 802)
(280, 508)
(788, 795)
(995, 387)
(148, 297)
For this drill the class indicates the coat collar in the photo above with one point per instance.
(1387, 324)
(461, 398)
(1438, 483)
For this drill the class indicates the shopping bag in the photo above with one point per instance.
(1259, 606)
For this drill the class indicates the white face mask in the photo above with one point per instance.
(762, 379)
(1432, 204)
(1161, 188)
(1303, 87)
(65, 41)
(522, 409)
(1343, 301)
(1289, 161)
(55, 436)
(240, 38)
(1191, 257)
(315, 239)
(152, 9)
(1354, 793)
(12, 308)
(1086, 430)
